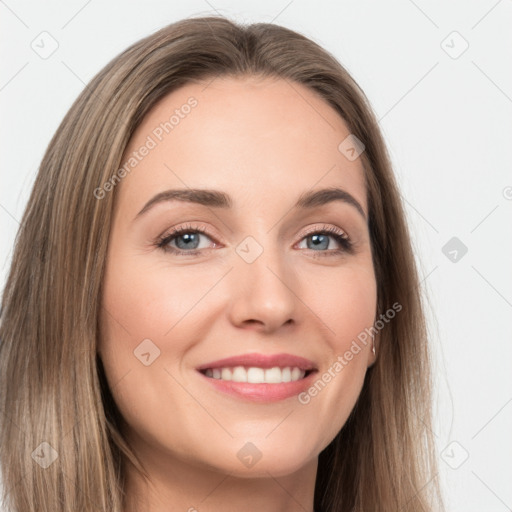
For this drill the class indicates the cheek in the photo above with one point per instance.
(357, 303)
(150, 315)
(346, 304)
(151, 300)
(346, 301)
(351, 312)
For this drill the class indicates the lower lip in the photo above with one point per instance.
(262, 392)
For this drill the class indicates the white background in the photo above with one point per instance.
(448, 125)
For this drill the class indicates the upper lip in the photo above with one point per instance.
(261, 361)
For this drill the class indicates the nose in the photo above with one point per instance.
(263, 293)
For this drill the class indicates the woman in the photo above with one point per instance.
(163, 343)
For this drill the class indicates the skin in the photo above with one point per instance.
(264, 143)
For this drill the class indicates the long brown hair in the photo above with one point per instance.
(52, 386)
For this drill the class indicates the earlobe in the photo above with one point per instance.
(373, 359)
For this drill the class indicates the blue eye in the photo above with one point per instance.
(187, 240)
(320, 240)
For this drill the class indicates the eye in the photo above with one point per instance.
(185, 238)
(318, 240)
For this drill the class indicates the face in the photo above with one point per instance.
(248, 275)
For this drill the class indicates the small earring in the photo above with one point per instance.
(373, 345)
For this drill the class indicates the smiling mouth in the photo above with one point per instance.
(256, 375)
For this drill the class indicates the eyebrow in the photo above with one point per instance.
(218, 199)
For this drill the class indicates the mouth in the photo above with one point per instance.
(259, 377)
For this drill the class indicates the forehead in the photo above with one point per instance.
(251, 137)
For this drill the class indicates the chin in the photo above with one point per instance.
(247, 460)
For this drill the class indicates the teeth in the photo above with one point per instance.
(254, 375)
(296, 374)
(239, 374)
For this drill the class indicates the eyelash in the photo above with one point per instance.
(340, 237)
